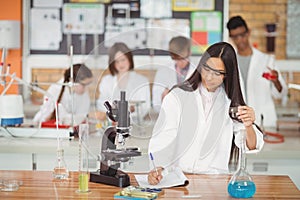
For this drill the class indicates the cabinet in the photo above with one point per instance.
(15, 161)
(40, 154)
(278, 159)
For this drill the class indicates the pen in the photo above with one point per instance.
(192, 196)
(152, 160)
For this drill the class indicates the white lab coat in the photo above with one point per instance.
(81, 105)
(137, 89)
(260, 91)
(184, 137)
(165, 77)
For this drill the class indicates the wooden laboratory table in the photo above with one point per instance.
(40, 185)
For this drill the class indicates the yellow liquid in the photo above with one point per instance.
(83, 182)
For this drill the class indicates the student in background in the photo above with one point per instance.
(168, 76)
(259, 90)
(122, 77)
(195, 130)
(61, 94)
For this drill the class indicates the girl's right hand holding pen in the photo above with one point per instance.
(155, 176)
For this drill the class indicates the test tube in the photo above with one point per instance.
(7, 69)
(83, 178)
(1, 67)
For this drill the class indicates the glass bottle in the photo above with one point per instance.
(241, 184)
(60, 170)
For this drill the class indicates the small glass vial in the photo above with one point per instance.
(60, 170)
(241, 184)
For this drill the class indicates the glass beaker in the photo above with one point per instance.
(241, 184)
(83, 176)
(60, 170)
(269, 72)
(269, 76)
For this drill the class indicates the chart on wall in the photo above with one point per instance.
(45, 29)
(132, 32)
(81, 18)
(206, 29)
(161, 31)
(193, 5)
(92, 26)
(156, 9)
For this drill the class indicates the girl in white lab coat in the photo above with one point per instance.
(122, 77)
(194, 130)
(60, 93)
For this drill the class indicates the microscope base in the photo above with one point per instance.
(121, 179)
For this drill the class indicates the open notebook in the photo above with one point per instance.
(171, 177)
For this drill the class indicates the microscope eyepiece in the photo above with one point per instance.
(123, 114)
(107, 106)
(122, 98)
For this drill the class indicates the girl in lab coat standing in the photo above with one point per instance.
(122, 77)
(195, 130)
(61, 94)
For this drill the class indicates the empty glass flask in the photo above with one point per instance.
(60, 170)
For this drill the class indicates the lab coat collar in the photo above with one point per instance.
(207, 94)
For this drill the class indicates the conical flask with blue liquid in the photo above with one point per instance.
(241, 184)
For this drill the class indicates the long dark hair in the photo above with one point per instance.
(80, 72)
(119, 47)
(231, 81)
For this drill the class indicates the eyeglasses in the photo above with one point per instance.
(242, 35)
(85, 84)
(205, 68)
(178, 57)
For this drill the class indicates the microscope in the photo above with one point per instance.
(113, 151)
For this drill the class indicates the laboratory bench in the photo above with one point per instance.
(40, 154)
(41, 185)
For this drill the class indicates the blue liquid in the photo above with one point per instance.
(241, 189)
